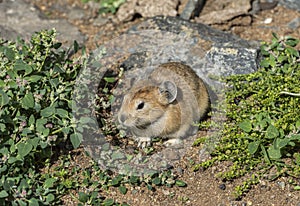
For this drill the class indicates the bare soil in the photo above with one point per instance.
(203, 188)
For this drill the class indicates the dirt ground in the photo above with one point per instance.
(203, 188)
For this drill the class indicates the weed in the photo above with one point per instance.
(262, 130)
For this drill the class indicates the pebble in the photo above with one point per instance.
(166, 192)
(100, 21)
(295, 23)
(179, 170)
(222, 186)
(268, 20)
(281, 185)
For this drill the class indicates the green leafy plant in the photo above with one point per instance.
(262, 130)
(36, 82)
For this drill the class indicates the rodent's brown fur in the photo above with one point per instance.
(162, 116)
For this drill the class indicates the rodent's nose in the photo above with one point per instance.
(122, 118)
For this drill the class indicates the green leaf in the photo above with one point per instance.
(291, 41)
(2, 127)
(33, 78)
(49, 183)
(180, 183)
(246, 126)
(4, 99)
(292, 51)
(9, 53)
(110, 79)
(108, 202)
(33, 202)
(57, 45)
(21, 66)
(54, 82)
(85, 120)
(24, 149)
(31, 120)
(274, 153)
(280, 143)
(34, 142)
(298, 124)
(62, 113)
(253, 146)
(40, 125)
(266, 157)
(265, 63)
(28, 101)
(76, 46)
(3, 194)
(156, 181)
(83, 197)
(123, 189)
(76, 139)
(297, 187)
(50, 198)
(48, 111)
(272, 132)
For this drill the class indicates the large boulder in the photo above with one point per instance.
(20, 19)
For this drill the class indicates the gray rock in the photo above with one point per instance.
(291, 4)
(295, 23)
(19, 18)
(217, 53)
(258, 5)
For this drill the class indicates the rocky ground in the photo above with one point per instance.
(82, 21)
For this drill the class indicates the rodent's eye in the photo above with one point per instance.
(140, 105)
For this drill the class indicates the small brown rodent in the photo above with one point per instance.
(165, 105)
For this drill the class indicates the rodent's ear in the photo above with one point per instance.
(169, 90)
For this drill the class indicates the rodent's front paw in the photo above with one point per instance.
(173, 143)
(144, 142)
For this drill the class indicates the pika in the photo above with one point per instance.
(165, 105)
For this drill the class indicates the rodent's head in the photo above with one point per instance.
(146, 104)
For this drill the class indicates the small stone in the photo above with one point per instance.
(222, 186)
(295, 23)
(281, 185)
(249, 203)
(100, 21)
(268, 21)
(179, 170)
(166, 192)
